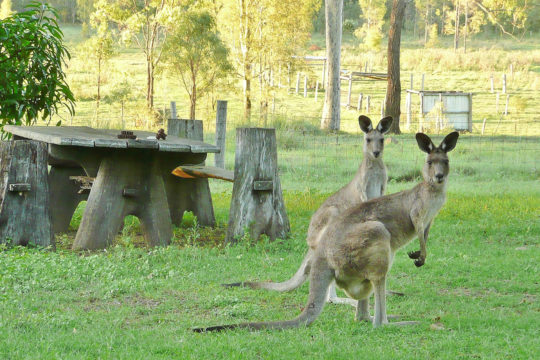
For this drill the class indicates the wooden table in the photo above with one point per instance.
(132, 177)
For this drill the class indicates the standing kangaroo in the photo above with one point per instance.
(357, 249)
(368, 183)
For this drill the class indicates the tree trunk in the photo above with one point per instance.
(465, 29)
(456, 32)
(149, 84)
(393, 97)
(193, 100)
(331, 110)
(426, 25)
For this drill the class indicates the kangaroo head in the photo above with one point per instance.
(436, 168)
(374, 137)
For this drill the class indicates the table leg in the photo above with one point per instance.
(64, 196)
(127, 183)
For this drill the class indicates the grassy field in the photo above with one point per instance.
(476, 297)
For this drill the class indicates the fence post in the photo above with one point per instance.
(504, 84)
(221, 132)
(316, 89)
(257, 201)
(409, 112)
(359, 106)
(483, 126)
(305, 85)
(349, 93)
(423, 77)
(323, 85)
(367, 104)
(297, 82)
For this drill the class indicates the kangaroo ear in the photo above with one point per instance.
(365, 123)
(449, 142)
(384, 124)
(424, 143)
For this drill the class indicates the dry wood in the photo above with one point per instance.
(200, 171)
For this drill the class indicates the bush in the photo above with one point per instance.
(33, 83)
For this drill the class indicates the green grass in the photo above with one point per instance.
(480, 282)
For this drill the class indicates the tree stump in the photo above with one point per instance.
(188, 194)
(257, 201)
(24, 194)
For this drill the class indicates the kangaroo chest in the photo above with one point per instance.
(374, 182)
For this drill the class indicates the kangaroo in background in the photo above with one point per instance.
(356, 250)
(368, 183)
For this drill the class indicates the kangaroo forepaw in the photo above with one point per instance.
(419, 262)
(414, 254)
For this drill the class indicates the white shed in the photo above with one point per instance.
(454, 107)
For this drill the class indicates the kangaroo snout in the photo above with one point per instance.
(376, 153)
(439, 177)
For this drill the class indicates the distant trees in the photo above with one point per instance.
(195, 53)
(33, 83)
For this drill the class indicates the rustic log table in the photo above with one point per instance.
(132, 177)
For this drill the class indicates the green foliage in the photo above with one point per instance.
(195, 53)
(433, 39)
(33, 83)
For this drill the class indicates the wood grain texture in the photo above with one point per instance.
(201, 171)
(24, 215)
(188, 194)
(262, 212)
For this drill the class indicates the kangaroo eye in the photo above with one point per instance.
(429, 163)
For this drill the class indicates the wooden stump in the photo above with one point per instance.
(188, 194)
(257, 200)
(24, 194)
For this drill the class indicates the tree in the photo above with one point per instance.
(121, 92)
(99, 48)
(331, 109)
(373, 12)
(264, 33)
(33, 83)
(144, 23)
(195, 53)
(393, 97)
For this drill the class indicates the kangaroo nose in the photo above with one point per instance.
(376, 153)
(439, 177)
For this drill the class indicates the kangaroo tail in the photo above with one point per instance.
(320, 279)
(296, 281)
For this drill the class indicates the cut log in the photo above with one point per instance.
(24, 194)
(200, 171)
(257, 202)
(188, 194)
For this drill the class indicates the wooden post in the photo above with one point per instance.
(367, 104)
(506, 105)
(65, 195)
(323, 76)
(297, 82)
(491, 81)
(504, 84)
(316, 89)
(221, 132)
(257, 201)
(423, 77)
(188, 195)
(421, 120)
(365, 67)
(359, 106)
(24, 194)
(305, 85)
(349, 93)
(484, 126)
(470, 113)
(409, 112)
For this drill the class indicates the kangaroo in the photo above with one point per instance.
(356, 250)
(368, 183)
